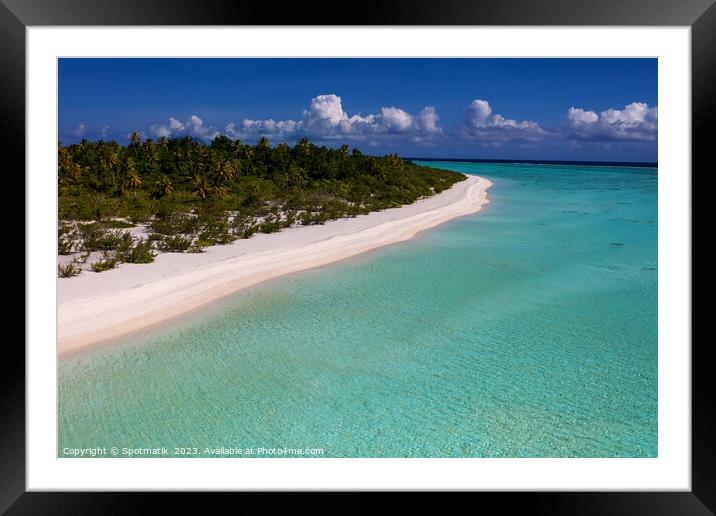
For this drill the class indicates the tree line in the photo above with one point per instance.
(186, 187)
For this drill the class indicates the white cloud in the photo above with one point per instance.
(161, 131)
(270, 126)
(580, 116)
(478, 113)
(326, 111)
(428, 121)
(483, 125)
(636, 122)
(325, 118)
(396, 120)
(194, 126)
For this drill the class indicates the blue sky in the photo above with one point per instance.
(569, 109)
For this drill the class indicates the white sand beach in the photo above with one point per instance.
(95, 307)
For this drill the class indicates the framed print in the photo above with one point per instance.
(443, 249)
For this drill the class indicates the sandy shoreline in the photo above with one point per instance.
(97, 307)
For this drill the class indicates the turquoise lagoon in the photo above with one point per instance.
(526, 330)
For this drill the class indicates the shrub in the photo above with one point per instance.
(81, 258)
(175, 244)
(320, 218)
(290, 219)
(141, 252)
(216, 231)
(66, 239)
(305, 218)
(69, 270)
(65, 245)
(270, 226)
(97, 240)
(240, 223)
(91, 235)
(249, 231)
(176, 223)
(104, 264)
(308, 218)
(120, 240)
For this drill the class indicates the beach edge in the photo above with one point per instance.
(87, 321)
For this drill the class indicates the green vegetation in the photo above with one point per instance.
(106, 263)
(141, 252)
(175, 244)
(191, 195)
(69, 270)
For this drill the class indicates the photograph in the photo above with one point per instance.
(357, 257)
(444, 249)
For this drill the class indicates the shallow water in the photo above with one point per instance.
(526, 330)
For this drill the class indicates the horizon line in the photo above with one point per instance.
(643, 164)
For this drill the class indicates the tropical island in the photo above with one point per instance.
(177, 223)
(124, 204)
(232, 292)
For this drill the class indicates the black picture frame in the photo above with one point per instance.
(16, 15)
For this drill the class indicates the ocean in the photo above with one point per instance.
(528, 329)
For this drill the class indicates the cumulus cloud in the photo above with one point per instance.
(194, 126)
(395, 120)
(428, 121)
(579, 116)
(482, 124)
(83, 131)
(636, 122)
(270, 126)
(325, 118)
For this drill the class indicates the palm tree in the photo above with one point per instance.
(224, 172)
(181, 156)
(236, 164)
(75, 173)
(132, 179)
(303, 146)
(135, 141)
(69, 171)
(162, 187)
(237, 148)
(296, 175)
(163, 143)
(263, 145)
(150, 151)
(249, 155)
(221, 191)
(64, 163)
(109, 157)
(396, 163)
(201, 186)
(202, 156)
